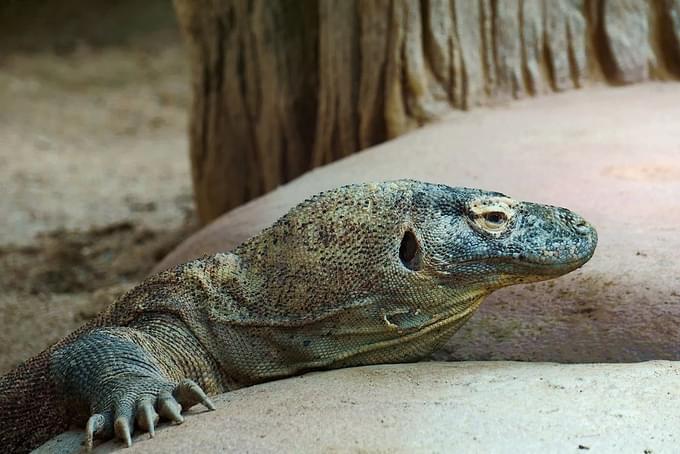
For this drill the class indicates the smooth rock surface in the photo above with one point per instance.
(499, 407)
(612, 155)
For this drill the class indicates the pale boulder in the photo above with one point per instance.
(499, 407)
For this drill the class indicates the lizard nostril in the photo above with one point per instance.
(581, 227)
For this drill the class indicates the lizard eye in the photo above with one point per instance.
(492, 215)
(409, 251)
(494, 220)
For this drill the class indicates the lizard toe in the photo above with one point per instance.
(123, 430)
(124, 419)
(188, 394)
(97, 426)
(147, 418)
(169, 408)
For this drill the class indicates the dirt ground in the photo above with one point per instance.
(94, 173)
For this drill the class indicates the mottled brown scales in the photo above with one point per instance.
(362, 274)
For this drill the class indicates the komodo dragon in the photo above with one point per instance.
(362, 274)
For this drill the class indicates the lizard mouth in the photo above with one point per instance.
(539, 269)
(525, 265)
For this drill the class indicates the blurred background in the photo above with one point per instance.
(94, 168)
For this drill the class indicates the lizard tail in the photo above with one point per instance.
(30, 411)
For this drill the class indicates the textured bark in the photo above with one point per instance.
(508, 49)
(283, 86)
(626, 21)
(337, 120)
(255, 79)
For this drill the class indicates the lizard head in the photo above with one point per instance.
(474, 238)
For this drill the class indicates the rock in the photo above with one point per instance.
(436, 407)
(609, 154)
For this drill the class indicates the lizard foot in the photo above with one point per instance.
(142, 402)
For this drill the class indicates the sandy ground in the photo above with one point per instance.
(95, 182)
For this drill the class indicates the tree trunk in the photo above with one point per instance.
(281, 86)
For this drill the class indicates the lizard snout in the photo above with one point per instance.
(580, 225)
(575, 223)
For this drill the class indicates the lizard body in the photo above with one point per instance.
(358, 275)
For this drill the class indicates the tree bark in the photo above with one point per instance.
(281, 86)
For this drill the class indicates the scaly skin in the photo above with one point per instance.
(363, 274)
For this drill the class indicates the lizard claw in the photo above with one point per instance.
(188, 394)
(122, 429)
(147, 418)
(94, 426)
(169, 408)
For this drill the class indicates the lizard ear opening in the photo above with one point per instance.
(409, 251)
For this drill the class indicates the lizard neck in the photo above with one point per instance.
(320, 329)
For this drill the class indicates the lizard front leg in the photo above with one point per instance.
(125, 375)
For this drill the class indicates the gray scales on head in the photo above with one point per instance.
(363, 274)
